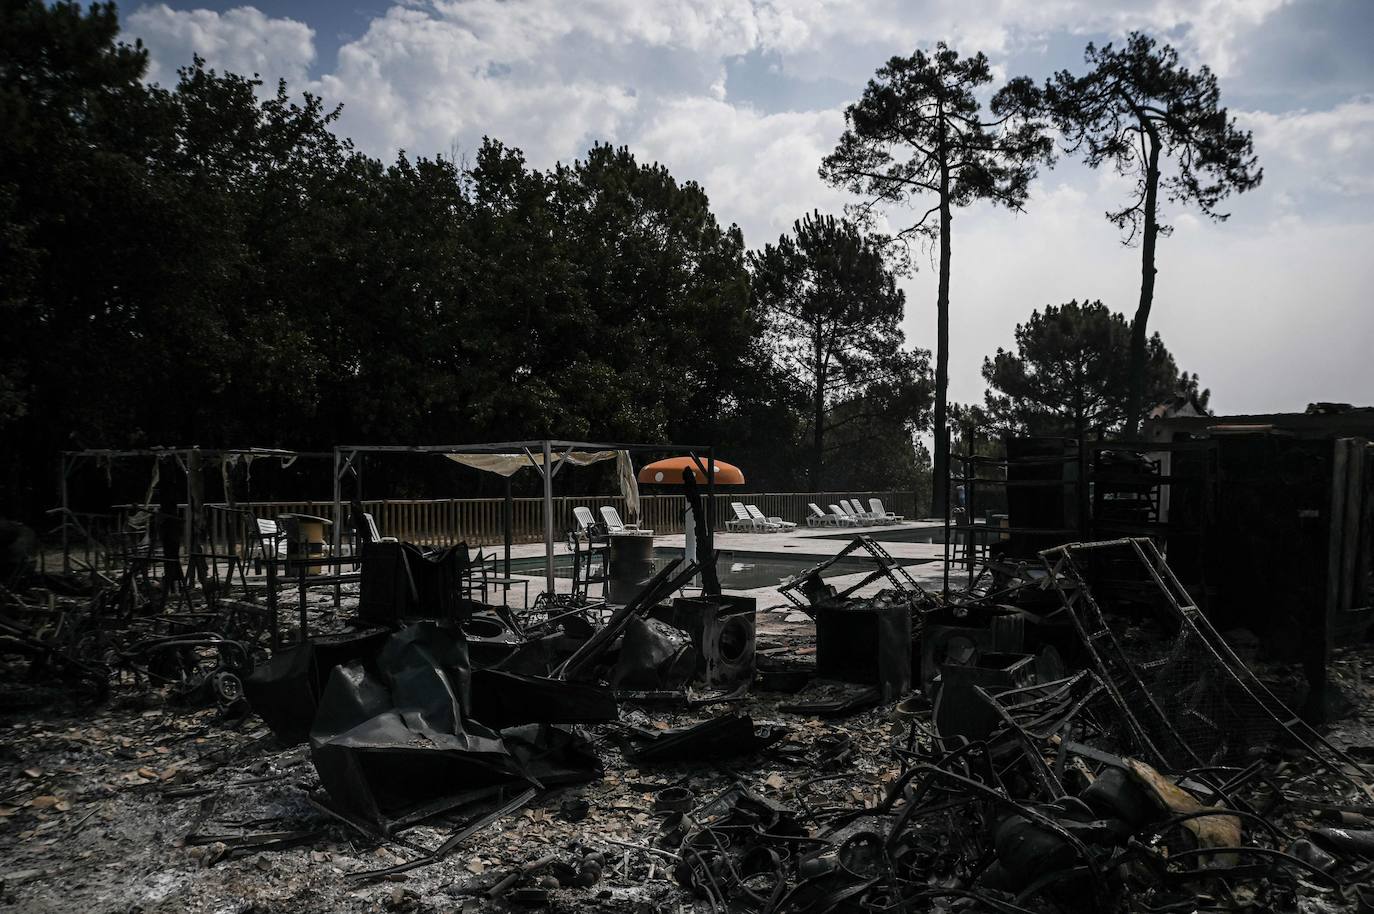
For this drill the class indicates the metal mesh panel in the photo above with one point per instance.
(1217, 717)
(1203, 698)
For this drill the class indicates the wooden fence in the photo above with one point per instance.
(93, 539)
(445, 521)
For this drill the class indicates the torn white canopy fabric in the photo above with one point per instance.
(510, 464)
(629, 485)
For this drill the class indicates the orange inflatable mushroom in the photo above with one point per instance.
(669, 472)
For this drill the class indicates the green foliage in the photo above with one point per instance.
(659, 284)
(919, 134)
(870, 446)
(828, 297)
(1068, 375)
(71, 100)
(830, 302)
(920, 129)
(1136, 102)
(1161, 125)
(1190, 390)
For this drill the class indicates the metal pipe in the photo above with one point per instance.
(935, 482)
(711, 504)
(66, 512)
(548, 518)
(508, 532)
(337, 539)
(186, 537)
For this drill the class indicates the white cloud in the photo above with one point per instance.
(1330, 150)
(716, 26)
(1205, 31)
(551, 76)
(241, 40)
(419, 81)
(759, 170)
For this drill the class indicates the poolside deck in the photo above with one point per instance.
(803, 542)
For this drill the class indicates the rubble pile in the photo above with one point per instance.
(1030, 743)
(85, 635)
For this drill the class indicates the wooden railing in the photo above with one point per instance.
(94, 539)
(445, 521)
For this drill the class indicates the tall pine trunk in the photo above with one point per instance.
(818, 419)
(940, 480)
(1135, 391)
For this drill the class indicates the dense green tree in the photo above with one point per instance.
(829, 296)
(78, 128)
(919, 133)
(257, 182)
(1161, 125)
(1068, 374)
(871, 442)
(658, 284)
(209, 262)
(977, 434)
(1190, 389)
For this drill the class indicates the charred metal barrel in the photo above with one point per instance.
(631, 565)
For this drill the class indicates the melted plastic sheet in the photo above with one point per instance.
(396, 737)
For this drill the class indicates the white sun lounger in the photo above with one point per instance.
(843, 518)
(742, 522)
(854, 510)
(746, 520)
(615, 525)
(818, 518)
(777, 523)
(884, 516)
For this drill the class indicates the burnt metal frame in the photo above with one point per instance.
(1115, 669)
(887, 567)
(977, 790)
(1041, 712)
(70, 460)
(1059, 561)
(1090, 487)
(971, 480)
(547, 448)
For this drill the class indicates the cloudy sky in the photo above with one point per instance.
(1274, 308)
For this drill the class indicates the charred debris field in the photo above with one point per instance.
(1006, 618)
(1046, 739)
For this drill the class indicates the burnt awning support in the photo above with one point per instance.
(507, 525)
(546, 456)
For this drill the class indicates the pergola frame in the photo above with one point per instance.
(552, 452)
(69, 460)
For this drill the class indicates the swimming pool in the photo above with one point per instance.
(737, 570)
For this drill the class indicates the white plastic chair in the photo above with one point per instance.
(588, 532)
(374, 534)
(265, 539)
(585, 519)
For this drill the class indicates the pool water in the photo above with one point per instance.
(737, 570)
